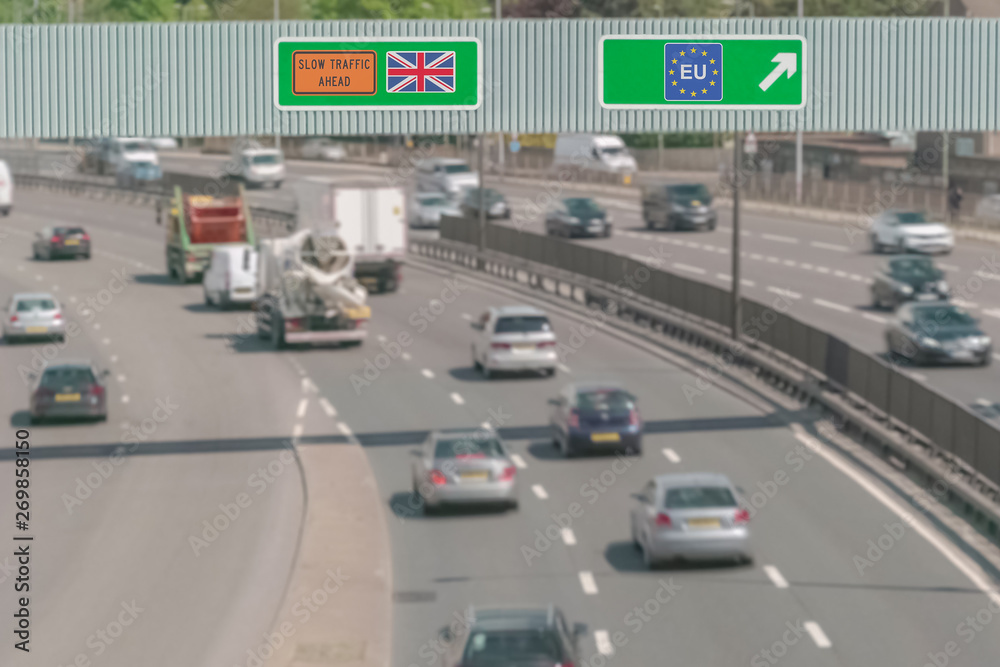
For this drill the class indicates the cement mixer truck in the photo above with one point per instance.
(308, 293)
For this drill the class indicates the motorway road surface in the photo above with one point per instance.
(804, 600)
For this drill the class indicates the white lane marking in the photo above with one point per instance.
(37, 277)
(790, 262)
(568, 537)
(688, 268)
(381, 338)
(919, 377)
(996, 355)
(106, 341)
(855, 277)
(20, 268)
(518, 461)
(831, 305)
(121, 378)
(830, 246)
(773, 260)
(427, 373)
(785, 292)
(944, 546)
(97, 326)
(540, 491)
(72, 299)
(817, 634)
(564, 368)
(840, 274)
(603, 641)
(307, 385)
(692, 244)
(775, 576)
(345, 429)
(455, 396)
(303, 406)
(486, 425)
(873, 318)
(327, 407)
(986, 275)
(779, 238)
(55, 288)
(728, 278)
(297, 431)
(671, 455)
(962, 303)
(406, 356)
(807, 267)
(124, 398)
(822, 269)
(114, 358)
(466, 316)
(992, 312)
(949, 267)
(588, 583)
(724, 276)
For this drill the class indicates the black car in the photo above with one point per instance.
(69, 390)
(578, 216)
(906, 278)
(595, 416)
(925, 333)
(512, 638)
(53, 242)
(496, 203)
(681, 206)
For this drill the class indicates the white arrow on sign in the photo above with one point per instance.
(787, 62)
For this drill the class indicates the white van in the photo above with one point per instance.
(231, 276)
(594, 152)
(447, 175)
(259, 167)
(6, 189)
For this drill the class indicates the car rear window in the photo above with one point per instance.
(69, 231)
(945, 316)
(27, 305)
(917, 267)
(456, 168)
(694, 497)
(605, 399)
(62, 377)
(689, 192)
(470, 447)
(496, 648)
(523, 324)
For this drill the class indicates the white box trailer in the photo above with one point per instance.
(371, 219)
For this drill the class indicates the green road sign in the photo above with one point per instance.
(753, 72)
(377, 73)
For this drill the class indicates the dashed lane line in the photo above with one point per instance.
(689, 268)
(775, 576)
(784, 292)
(603, 641)
(457, 398)
(564, 368)
(671, 455)
(297, 431)
(829, 246)
(427, 373)
(779, 238)
(308, 386)
(327, 407)
(540, 491)
(568, 537)
(344, 429)
(817, 634)
(588, 583)
(831, 305)
(303, 406)
(124, 398)
(518, 461)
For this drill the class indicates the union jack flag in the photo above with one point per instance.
(420, 72)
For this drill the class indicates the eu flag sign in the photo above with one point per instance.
(693, 72)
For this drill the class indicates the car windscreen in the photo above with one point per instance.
(696, 497)
(470, 447)
(523, 324)
(433, 201)
(68, 231)
(501, 648)
(929, 319)
(456, 168)
(917, 268)
(697, 192)
(28, 305)
(66, 377)
(911, 218)
(266, 159)
(604, 400)
(612, 150)
(578, 206)
(134, 146)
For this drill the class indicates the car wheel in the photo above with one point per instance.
(487, 373)
(635, 538)
(476, 365)
(566, 449)
(607, 232)
(86, 255)
(647, 558)
(387, 284)
(35, 419)
(208, 299)
(986, 360)
(876, 246)
(512, 505)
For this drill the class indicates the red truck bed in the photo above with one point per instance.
(215, 220)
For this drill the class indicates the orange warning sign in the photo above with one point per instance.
(333, 72)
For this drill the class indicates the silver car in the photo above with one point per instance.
(690, 516)
(514, 338)
(470, 467)
(428, 207)
(35, 315)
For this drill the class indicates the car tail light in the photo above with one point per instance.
(56, 239)
(741, 517)
(294, 324)
(633, 417)
(574, 419)
(45, 394)
(547, 343)
(500, 346)
(437, 478)
(663, 519)
(57, 316)
(13, 318)
(508, 473)
(85, 237)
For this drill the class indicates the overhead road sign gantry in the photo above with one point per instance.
(722, 72)
(377, 73)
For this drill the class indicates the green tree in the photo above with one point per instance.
(399, 9)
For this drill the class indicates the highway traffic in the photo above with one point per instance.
(201, 411)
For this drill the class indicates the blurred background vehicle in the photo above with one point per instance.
(231, 276)
(902, 279)
(323, 148)
(55, 242)
(594, 152)
(261, 167)
(138, 174)
(33, 315)
(681, 206)
(578, 216)
(690, 516)
(105, 156)
(514, 338)
(910, 231)
(926, 333)
(494, 201)
(515, 638)
(69, 389)
(6, 189)
(164, 143)
(428, 207)
(464, 467)
(988, 208)
(447, 175)
(594, 417)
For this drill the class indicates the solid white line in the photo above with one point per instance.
(604, 645)
(303, 406)
(831, 305)
(873, 318)
(518, 461)
(327, 407)
(830, 246)
(775, 576)
(344, 429)
(779, 238)
(568, 537)
(671, 455)
(817, 634)
(588, 583)
(428, 373)
(944, 547)
(124, 398)
(539, 491)
(689, 268)
(564, 368)
(785, 292)
(919, 377)
(457, 398)
(297, 431)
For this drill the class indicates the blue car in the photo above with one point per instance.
(593, 417)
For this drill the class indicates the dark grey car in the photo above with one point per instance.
(925, 333)
(512, 638)
(907, 278)
(681, 206)
(578, 216)
(53, 242)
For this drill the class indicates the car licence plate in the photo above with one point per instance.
(71, 242)
(243, 290)
(605, 437)
(703, 524)
(67, 398)
(474, 476)
(962, 354)
(524, 347)
(36, 329)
